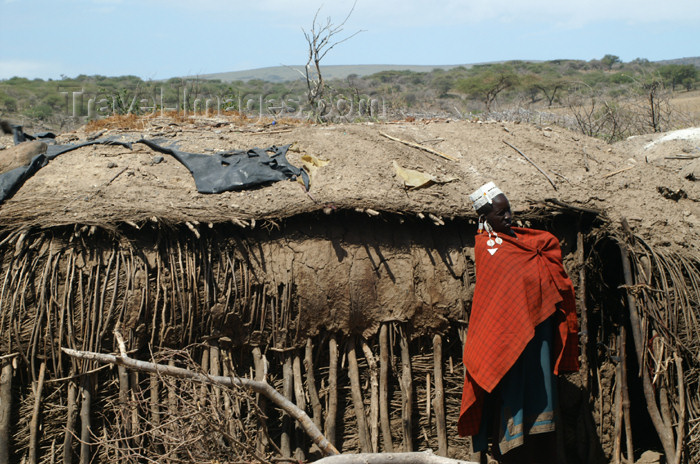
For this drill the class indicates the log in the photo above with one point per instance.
(423, 457)
(311, 384)
(357, 401)
(374, 397)
(332, 409)
(71, 419)
(257, 387)
(384, 364)
(406, 382)
(439, 400)
(34, 423)
(5, 409)
(85, 418)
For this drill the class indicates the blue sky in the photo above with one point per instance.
(157, 39)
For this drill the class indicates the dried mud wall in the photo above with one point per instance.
(320, 306)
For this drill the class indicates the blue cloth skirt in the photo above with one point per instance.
(523, 402)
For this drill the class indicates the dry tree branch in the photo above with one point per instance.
(259, 387)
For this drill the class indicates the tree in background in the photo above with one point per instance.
(608, 61)
(679, 74)
(487, 82)
(321, 39)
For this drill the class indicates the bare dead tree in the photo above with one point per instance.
(321, 39)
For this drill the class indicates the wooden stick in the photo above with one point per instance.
(154, 399)
(617, 442)
(439, 400)
(288, 392)
(532, 163)
(311, 383)
(618, 171)
(5, 409)
(423, 457)
(34, 423)
(626, 396)
(301, 404)
(261, 376)
(134, 388)
(71, 419)
(258, 387)
(420, 147)
(374, 396)
(332, 409)
(406, 383)
(665, 435)
(581, 296)
(85, 419)
(358, 402)
(680, 428)
(384, 365)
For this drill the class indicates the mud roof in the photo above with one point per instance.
(541, 170)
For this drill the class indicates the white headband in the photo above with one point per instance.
(484, 195)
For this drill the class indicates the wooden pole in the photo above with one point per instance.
(357, 401)
(374, 396)
(332, 409)
(439, 400)
(154, 399)
(71, 419)
(311, 383)
(259, 362)
(406, 383)
(258, 387)
(34, 423)
(626, 396)
(85, 419)
(287, 391)
(301, 404)
(617, 442)
(384, 364)
(5, 409)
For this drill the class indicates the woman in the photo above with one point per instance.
(522, 332)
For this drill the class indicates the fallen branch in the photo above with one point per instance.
(258, 387)
(617, 172)
(532, 163)
(420, 147)
(422, 457)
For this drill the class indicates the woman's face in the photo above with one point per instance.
(500, 216)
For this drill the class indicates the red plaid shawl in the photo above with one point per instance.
(518, 286)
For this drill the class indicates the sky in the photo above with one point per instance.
(159, 39)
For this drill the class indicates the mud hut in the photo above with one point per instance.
(351, 299)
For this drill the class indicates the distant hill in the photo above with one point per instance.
(290, 73)
(695, 61)
(278, 74)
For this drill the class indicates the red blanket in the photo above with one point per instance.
(518, 285)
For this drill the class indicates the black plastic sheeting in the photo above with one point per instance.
(215, 173)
